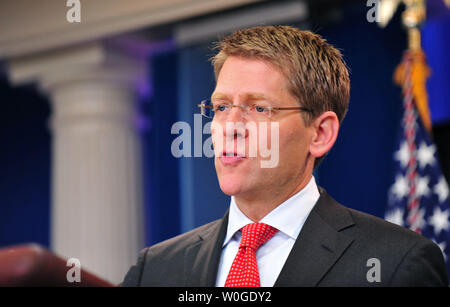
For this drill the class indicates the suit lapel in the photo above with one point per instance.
(319, 244)
(202, 259)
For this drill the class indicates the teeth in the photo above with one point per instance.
(229, 154)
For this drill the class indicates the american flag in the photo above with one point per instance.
(419, 196)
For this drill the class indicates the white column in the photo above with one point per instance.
(97, 206)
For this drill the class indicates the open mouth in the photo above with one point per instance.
(232, 154)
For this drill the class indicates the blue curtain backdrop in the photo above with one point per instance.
(182, 193)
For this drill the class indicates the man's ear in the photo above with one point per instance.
(326, 128)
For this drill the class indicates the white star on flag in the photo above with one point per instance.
(396, 217)
(440, 220)
(441, 189)
(425, 155)
(402, 155)
(422, 188)
(400, 188)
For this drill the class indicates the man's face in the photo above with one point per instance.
(239, 82)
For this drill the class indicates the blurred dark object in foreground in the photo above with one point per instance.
(34, 266)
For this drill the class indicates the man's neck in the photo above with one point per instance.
(256, 208)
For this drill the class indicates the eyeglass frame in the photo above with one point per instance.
(246, 108)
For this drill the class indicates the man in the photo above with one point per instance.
(281, 228)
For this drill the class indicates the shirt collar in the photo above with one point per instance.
(288, 217)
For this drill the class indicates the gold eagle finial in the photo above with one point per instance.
(413, 16)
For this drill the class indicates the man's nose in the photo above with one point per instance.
(236, 114)
(235, 123)
(235, 129)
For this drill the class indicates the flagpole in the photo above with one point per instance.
(410, 76)
(413, 17)
(414, 39)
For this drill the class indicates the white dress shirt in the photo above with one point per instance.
(288, 218)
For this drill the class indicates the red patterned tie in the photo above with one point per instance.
(244, 270)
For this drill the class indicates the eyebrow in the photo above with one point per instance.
(216, 95)
(246, 96)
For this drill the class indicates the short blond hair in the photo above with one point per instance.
(315, 70)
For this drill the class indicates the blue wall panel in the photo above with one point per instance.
(201, 198)
(161, 187)
(24, 166)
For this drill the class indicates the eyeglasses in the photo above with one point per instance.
(255, 111)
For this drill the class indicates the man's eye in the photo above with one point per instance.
(260, 109)
(221, 107)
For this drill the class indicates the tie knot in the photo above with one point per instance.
(256, 234)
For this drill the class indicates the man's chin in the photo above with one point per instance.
(230, 186)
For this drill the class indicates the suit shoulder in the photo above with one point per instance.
(406, 257)
(181, 242)
(167, 258)
(387, 232)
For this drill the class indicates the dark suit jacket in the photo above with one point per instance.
(332, 249)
